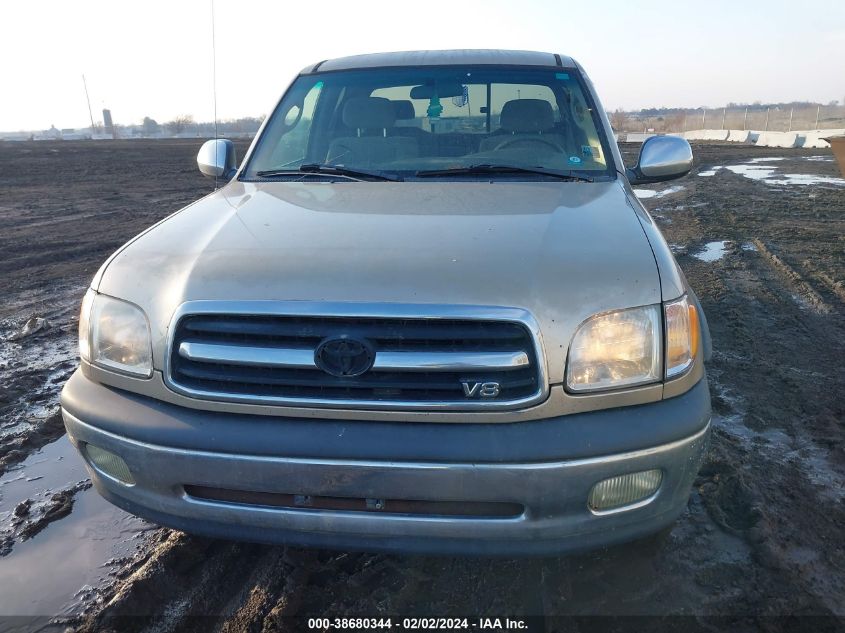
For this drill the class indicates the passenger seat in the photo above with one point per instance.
(373, 119)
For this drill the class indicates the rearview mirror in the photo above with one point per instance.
(216, 159)
(442, 90)
(661, 158)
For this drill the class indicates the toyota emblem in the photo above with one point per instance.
(344, 357)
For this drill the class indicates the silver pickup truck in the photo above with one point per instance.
(425, 313)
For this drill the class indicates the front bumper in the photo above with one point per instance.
(552, 490)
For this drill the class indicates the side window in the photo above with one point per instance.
(294, 126)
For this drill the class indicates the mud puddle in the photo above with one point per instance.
(762, 170)
(67, 555)
(712, 251)
(643, 194)
(37, 355)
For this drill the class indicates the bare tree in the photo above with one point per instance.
(180, 123)
(618, 120)
(150, 126)
(673, 123)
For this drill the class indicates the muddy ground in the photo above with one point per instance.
(762, 538)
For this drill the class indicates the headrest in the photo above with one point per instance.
(404, 109)
(368, 113)
(527, 115)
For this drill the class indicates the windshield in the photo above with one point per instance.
(404, 122)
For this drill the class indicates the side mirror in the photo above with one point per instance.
(661, 158)
(216, 159)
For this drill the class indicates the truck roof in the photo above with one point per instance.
(442, 58)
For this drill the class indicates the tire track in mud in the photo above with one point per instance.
(836, 287)
(252, 587)
(805, 290)
(775, 473)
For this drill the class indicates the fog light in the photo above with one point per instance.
(110, 464)
(624, 490)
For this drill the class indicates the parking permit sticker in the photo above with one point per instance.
(562, 76)
(587, 151)
(574, 160)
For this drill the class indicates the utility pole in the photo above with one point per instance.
(90, 114)
(818, 109)
(745, 119)
(766, 129)
(703, 118)
(724, 111)
(791, 111)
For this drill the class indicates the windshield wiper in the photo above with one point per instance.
(502, 169)
(329, 170)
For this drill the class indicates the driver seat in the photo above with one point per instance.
(373, 120)
(528, 119)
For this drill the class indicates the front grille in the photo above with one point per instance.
(415, 362)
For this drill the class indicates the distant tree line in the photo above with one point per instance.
(781, 117)
(185, 124)
(757, 106)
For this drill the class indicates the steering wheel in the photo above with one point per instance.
(537, 141)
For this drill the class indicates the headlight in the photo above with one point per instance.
(681, 336)
(85, 325)
(616, 349)
(115, 334)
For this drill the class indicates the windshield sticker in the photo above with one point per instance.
(587, 151)
(574, 160)
(563, 76)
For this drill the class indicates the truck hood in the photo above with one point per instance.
(562, 251)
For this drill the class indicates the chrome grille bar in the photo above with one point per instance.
(249, 356)
(450, 361)
(385, 360)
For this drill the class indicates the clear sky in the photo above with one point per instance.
(153, 57)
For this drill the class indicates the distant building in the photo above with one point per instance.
(71, 134)
(107, 122)
(53, 134)
(16, 136)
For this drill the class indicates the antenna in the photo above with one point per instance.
(90, 114)
(214, 77)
